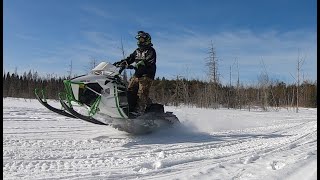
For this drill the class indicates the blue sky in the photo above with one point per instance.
(45, 36)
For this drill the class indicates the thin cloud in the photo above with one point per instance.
(176, 52)
(278, 50)
(102, 44)
(26, 37)
(98, 12)
(188, 50)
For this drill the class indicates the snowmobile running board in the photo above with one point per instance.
(80, 116)
(45, 104)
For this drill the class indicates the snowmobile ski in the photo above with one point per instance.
(45, 104)
(80, 116)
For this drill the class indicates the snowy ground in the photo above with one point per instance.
(210, 144)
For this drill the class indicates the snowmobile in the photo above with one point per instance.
(101, 97)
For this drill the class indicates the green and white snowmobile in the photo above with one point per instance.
(101, 97)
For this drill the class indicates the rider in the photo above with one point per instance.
(144, 58)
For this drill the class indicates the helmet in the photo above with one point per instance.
(144, 39)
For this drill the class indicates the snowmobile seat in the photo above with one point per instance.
(155, 107)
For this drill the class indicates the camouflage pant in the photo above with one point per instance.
(140, 87)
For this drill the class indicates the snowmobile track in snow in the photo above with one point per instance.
(38, 144)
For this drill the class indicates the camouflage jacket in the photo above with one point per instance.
(145, 60)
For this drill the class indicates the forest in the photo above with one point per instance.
(267, 94)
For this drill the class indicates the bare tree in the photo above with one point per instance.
(300, 62)
(125, 76)
(212, 64)
(238, 85)
(267, 90)
(70, 70)
(229, 91)
(181, 94)
(93, 63)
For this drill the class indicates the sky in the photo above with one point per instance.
(249, 37)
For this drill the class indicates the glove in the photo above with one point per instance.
(117, 63)
(131, 67)
(120, 63)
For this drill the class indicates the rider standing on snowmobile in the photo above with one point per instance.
(144, 58)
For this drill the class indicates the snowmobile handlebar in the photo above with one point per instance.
(123, 67)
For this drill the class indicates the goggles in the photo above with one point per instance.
(139, 36)
(140, 39)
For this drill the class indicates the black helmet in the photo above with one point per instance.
(144, 39)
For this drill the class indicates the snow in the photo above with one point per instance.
(209, 144)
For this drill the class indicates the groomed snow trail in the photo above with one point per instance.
(209, 144)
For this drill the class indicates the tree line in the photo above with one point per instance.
(211, 95)
(180, 91)
(23, 86)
